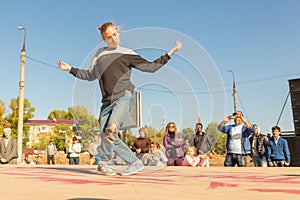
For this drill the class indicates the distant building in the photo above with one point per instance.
(41, 128)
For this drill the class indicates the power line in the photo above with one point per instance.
(178, 92)
(41, 62)
(242, 105)
(268, 78)
(238, 83)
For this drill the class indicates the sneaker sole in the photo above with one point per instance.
(101, 173)
(128, 174)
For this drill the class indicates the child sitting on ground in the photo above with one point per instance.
(28, 160)
(155, 157)
(191, 158)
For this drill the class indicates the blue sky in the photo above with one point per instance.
(258, 40)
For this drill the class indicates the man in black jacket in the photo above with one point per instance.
(258, 148)
(203, 144)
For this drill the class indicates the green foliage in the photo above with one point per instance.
(187, 134)
(217, 138)
(11, 119)
(13, 116)
(88, 124)
(220, 147)
(61, 133)
(130, 138)
(152, 133)
(59, 115)
(44, 140)
(3, 122)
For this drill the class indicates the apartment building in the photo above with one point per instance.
(41, 128)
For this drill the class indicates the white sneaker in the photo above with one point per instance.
(104, 169)
(133, 168)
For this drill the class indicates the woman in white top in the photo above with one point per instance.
(74, 150)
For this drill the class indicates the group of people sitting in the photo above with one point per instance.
(173, 151)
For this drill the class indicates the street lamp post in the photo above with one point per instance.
(21, 99)
(234, 91)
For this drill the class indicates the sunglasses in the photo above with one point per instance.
(172, 126)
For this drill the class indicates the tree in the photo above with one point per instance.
(151, 132)
(130, 138)
(59, 115)
(61, 133)
(220, 147)
(2, 109)
(88, 124)
(188, 134)
(217, 138)
(3, 121)
(12, 118)
(44, 140)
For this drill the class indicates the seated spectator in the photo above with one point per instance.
(155, 157)
(278, 154)
(191, 158)
(8, 148)
(173, 143)
(28, 160)
(93, 150)
(141, 144)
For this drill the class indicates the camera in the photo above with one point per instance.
(233, 116)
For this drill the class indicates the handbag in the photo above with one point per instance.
(68, 155)
(173, 153)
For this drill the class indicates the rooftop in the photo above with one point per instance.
(52, 122)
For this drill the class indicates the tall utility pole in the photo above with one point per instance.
(21, 99)
(234, 92)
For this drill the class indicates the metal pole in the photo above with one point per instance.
(21, 100)
(234, 92)
(282, 108)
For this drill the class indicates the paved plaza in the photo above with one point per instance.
(82, 182)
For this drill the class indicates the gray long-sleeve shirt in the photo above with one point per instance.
(112, 67)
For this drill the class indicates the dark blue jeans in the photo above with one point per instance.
(233, 159)
(74, 161)
(50, 157)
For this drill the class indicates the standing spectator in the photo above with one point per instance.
(74, 151)
(141, 144)
(259, 143)
(278, 154)
(238, 143)
(173, 143)
(93, 150)
(8, 148)
(191, 158)
(155, 157)
(112, 67)
(51, 151)
(203, 144)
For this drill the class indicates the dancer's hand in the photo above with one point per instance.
(176, 48)
(63, 66)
